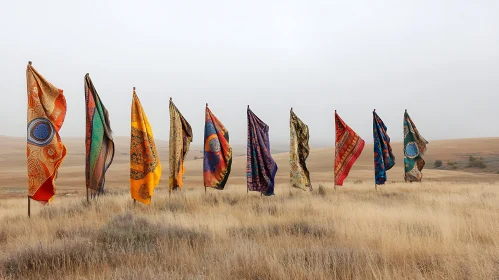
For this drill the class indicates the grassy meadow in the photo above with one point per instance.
(434, 230)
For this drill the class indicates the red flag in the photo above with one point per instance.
(349, 146)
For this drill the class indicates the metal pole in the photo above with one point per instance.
(205, 190)
(29, 207)
(87, 195)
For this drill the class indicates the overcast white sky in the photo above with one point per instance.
(438, 59)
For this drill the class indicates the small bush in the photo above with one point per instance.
(452, 164)
(438, 163)
(476, 162)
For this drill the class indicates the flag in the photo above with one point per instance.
(99, 143)
(217, 158)
(180, 140)
(349, 146)
(298, 153)
(145, 167)
(45, 150)
(261, 167)
(384, 159)
(414, 149)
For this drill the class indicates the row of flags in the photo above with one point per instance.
(46, 151)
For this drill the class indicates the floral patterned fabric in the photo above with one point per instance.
(180, 140)
(384, 159)
(45, 151)
(261, 167)
(298, 153)
(414, 149)
(217, 158)
(145, 167)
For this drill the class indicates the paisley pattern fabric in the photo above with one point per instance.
(217, 160)
(384, 159)
(145, 167)
(349, 146)
(45, 150)
(298, 153)
(180, 140)
(98, 139)
(261, 167)
(414, 149)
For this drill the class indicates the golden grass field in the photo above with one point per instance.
(444, 228)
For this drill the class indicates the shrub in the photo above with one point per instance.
(452, 164)
(438, 163)
(476, 162)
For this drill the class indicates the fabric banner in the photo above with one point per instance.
(45, 150)
(414, 149)
(349, 146)
(217, 159)
(261, 167)
(98, 139)
(384, 159)
(180, 140)
(145, 167)
(298, 153)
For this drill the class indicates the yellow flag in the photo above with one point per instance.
(145, 168)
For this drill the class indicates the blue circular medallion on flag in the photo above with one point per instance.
(40, 132)
(411, 150)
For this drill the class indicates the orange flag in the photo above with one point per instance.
(145, 167)
(45, 150)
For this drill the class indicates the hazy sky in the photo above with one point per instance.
(438, 59)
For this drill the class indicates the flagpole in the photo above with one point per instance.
(87, 194)
(334, 166)
(29, 199)
(205, 149)
(375, 185)
(290, 148)
(247, 187)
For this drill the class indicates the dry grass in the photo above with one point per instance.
(403, 231)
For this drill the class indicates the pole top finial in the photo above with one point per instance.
(29, 62)
(170, 99)
(133, 88)
(206, 105)
(374, 110)
(248, 106)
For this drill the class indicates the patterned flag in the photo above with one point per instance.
(349, 146)
(298, 153)
(45, 150)
(261, 167)
(180, 140)
(414, 149)
(145, 167)
(217, 158)
(98, 140)
(384, 159)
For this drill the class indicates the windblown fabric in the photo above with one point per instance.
(298, 153)
(261, 167)
(217, 158)
(99, 140)
(349, 146)
(145, 167)
(384, 159)
(180, 140)
(414, 148)
(45, 150)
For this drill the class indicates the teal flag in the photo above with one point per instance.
(414, 149)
